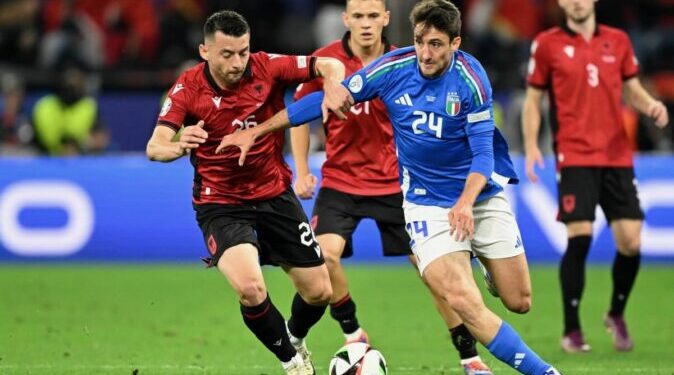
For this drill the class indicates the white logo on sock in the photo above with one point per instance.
(278, 343)
(519, 357)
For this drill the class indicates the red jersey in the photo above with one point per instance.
(585, 85)
(360, 153)
(259, 95)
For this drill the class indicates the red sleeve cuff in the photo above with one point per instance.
(312, 67)
(630, 76)
(169, 124)
(538, 86)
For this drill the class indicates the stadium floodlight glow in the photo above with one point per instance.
(63, 241)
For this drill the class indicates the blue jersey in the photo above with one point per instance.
(436, 123)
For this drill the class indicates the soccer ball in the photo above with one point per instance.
(358, 359)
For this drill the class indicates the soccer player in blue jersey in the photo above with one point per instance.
(449, 153)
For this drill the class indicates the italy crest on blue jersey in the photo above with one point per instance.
(453, 103)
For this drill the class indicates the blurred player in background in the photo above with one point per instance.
(586, 68)
(439, 101)
(360, 178)
(249, 215)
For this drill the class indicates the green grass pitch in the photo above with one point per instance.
(181, 319)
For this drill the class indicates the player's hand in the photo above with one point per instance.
(461, 224)
(658, 112)
(193, 136)
(243, 139)
(337, 99)
(305, 186)
(533, 157)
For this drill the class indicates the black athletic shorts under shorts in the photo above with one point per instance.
(339, 213)
(278, 227)
(582, 188)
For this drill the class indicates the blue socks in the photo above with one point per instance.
(509, 348)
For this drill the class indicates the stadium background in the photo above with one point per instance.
(92, 227)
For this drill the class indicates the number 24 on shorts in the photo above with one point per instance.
(415, 229)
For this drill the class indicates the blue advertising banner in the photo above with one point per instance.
(125, 208)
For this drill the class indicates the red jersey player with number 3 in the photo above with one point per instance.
(248, 214)
(587, 68)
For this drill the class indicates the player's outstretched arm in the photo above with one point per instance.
(337, 98)
(305, 182)
(639, 98)
(298, 113)
(531, 125)
(161, 148)
(245, 139)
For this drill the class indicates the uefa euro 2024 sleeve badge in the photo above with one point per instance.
(453, 104)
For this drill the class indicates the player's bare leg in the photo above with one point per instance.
(448, 315)
(572, 277)
(239, 264)
(312, 283)
(332, 246)
(627, 235)
(512, 281)
(463, 340)
(312, 297)
(451, 277)
(342, 307)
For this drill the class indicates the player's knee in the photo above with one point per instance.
(521, 304)
(318, 295)
(252, 293)
(630, 246)
(332, 259)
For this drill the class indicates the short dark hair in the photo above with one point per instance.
(383, 1)
(440, 14)
(227, 22)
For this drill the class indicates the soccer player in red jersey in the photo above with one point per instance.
(587, 68)
(360, 178)
(248, 215)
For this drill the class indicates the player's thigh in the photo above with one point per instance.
(239, 264)
(333, 214)
(627, 235)
(428, 229)
(619, 198)
(332, 246)
(388, 214)
(284, 233)
(497, 235)
(578, 191)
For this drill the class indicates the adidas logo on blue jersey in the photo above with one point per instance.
(404, 100)
(519, 357)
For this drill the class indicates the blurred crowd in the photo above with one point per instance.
(58, 57)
